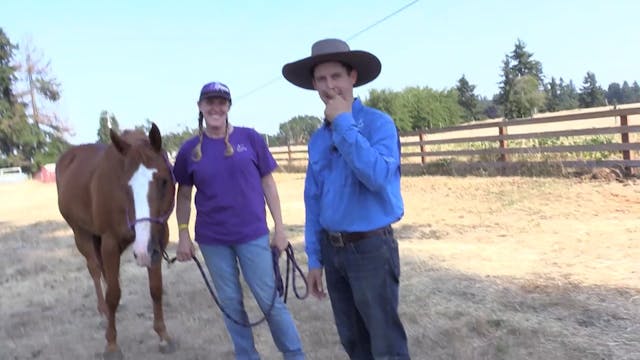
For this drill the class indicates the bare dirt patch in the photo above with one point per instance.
(492, 268)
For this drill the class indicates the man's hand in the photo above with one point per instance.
(335, 105)
(314, 278)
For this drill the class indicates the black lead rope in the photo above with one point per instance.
(292, 269)
(280, 289)
(215, 298)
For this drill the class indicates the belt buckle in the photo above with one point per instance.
(335, 238)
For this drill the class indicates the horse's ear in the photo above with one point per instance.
(121, 145)
(155, 138)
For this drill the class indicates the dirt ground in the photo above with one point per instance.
(492, 268)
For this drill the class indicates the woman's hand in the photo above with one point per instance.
(280, 239)
(185, 250)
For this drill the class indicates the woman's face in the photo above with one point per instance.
(215, 111)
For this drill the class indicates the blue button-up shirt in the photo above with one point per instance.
(353, 177)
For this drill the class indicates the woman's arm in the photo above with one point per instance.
(185, 249)
(273, 202)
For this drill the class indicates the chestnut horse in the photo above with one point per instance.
(113, 196)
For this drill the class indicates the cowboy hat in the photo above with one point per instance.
(299, 72)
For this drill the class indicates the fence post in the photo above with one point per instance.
(502, 143)
(289, 153)
(421, 135)
(626, 154)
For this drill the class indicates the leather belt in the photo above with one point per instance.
(341, 238)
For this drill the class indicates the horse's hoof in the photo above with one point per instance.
(168, 346)
(113, 355)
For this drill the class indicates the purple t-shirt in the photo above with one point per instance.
(230, 204)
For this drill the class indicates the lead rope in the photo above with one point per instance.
(279, 288)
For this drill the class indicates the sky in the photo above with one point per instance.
(148, 59)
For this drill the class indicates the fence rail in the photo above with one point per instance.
(500, 144)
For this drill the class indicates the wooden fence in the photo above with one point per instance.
(588, 138)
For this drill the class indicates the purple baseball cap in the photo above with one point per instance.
(215, 89)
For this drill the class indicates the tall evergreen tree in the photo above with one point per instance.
(627, 93)
(524, 64)
(591, 94)
(518, 64)
(635, 91)
(568, 95)
(614, 94)
(508, 76)
(553, 96)
(467, 99)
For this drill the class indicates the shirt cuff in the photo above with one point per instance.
(314, 263)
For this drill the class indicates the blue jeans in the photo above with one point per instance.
(257, 269)
(362, 280)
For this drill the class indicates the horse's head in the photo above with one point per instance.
(150, 179)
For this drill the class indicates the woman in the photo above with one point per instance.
(231, 169)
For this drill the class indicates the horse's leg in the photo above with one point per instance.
(85, 244)
(167, 345)
(111, 262)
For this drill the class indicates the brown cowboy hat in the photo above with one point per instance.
(299, 72)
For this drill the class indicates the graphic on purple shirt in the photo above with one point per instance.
(229, 199)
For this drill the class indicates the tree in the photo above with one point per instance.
(107, 122)
(635, 90)
(523, 63)
(489, 108)
(41, 89)
(614, 94)
(519, 63)
(172, 141)
(426, 108)
(467, 99)
(145, 127)
(389, 101)
(553, 102)
(298, 130)
(568, 95)
(508, 76)
(418, 107)
(525, 97)
(22, 142)
(627, 93)
(591, 94)
(19, 139)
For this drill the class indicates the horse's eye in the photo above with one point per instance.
(163, 185)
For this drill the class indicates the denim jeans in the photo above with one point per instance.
(362, 280)
(256, 264)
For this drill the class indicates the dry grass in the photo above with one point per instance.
(492, 268)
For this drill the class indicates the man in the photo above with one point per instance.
(352, 196)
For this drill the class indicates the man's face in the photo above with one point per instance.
(332, 78)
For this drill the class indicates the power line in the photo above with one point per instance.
(381, 20)
(268, 83)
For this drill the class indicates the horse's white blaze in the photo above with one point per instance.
(139, 183)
